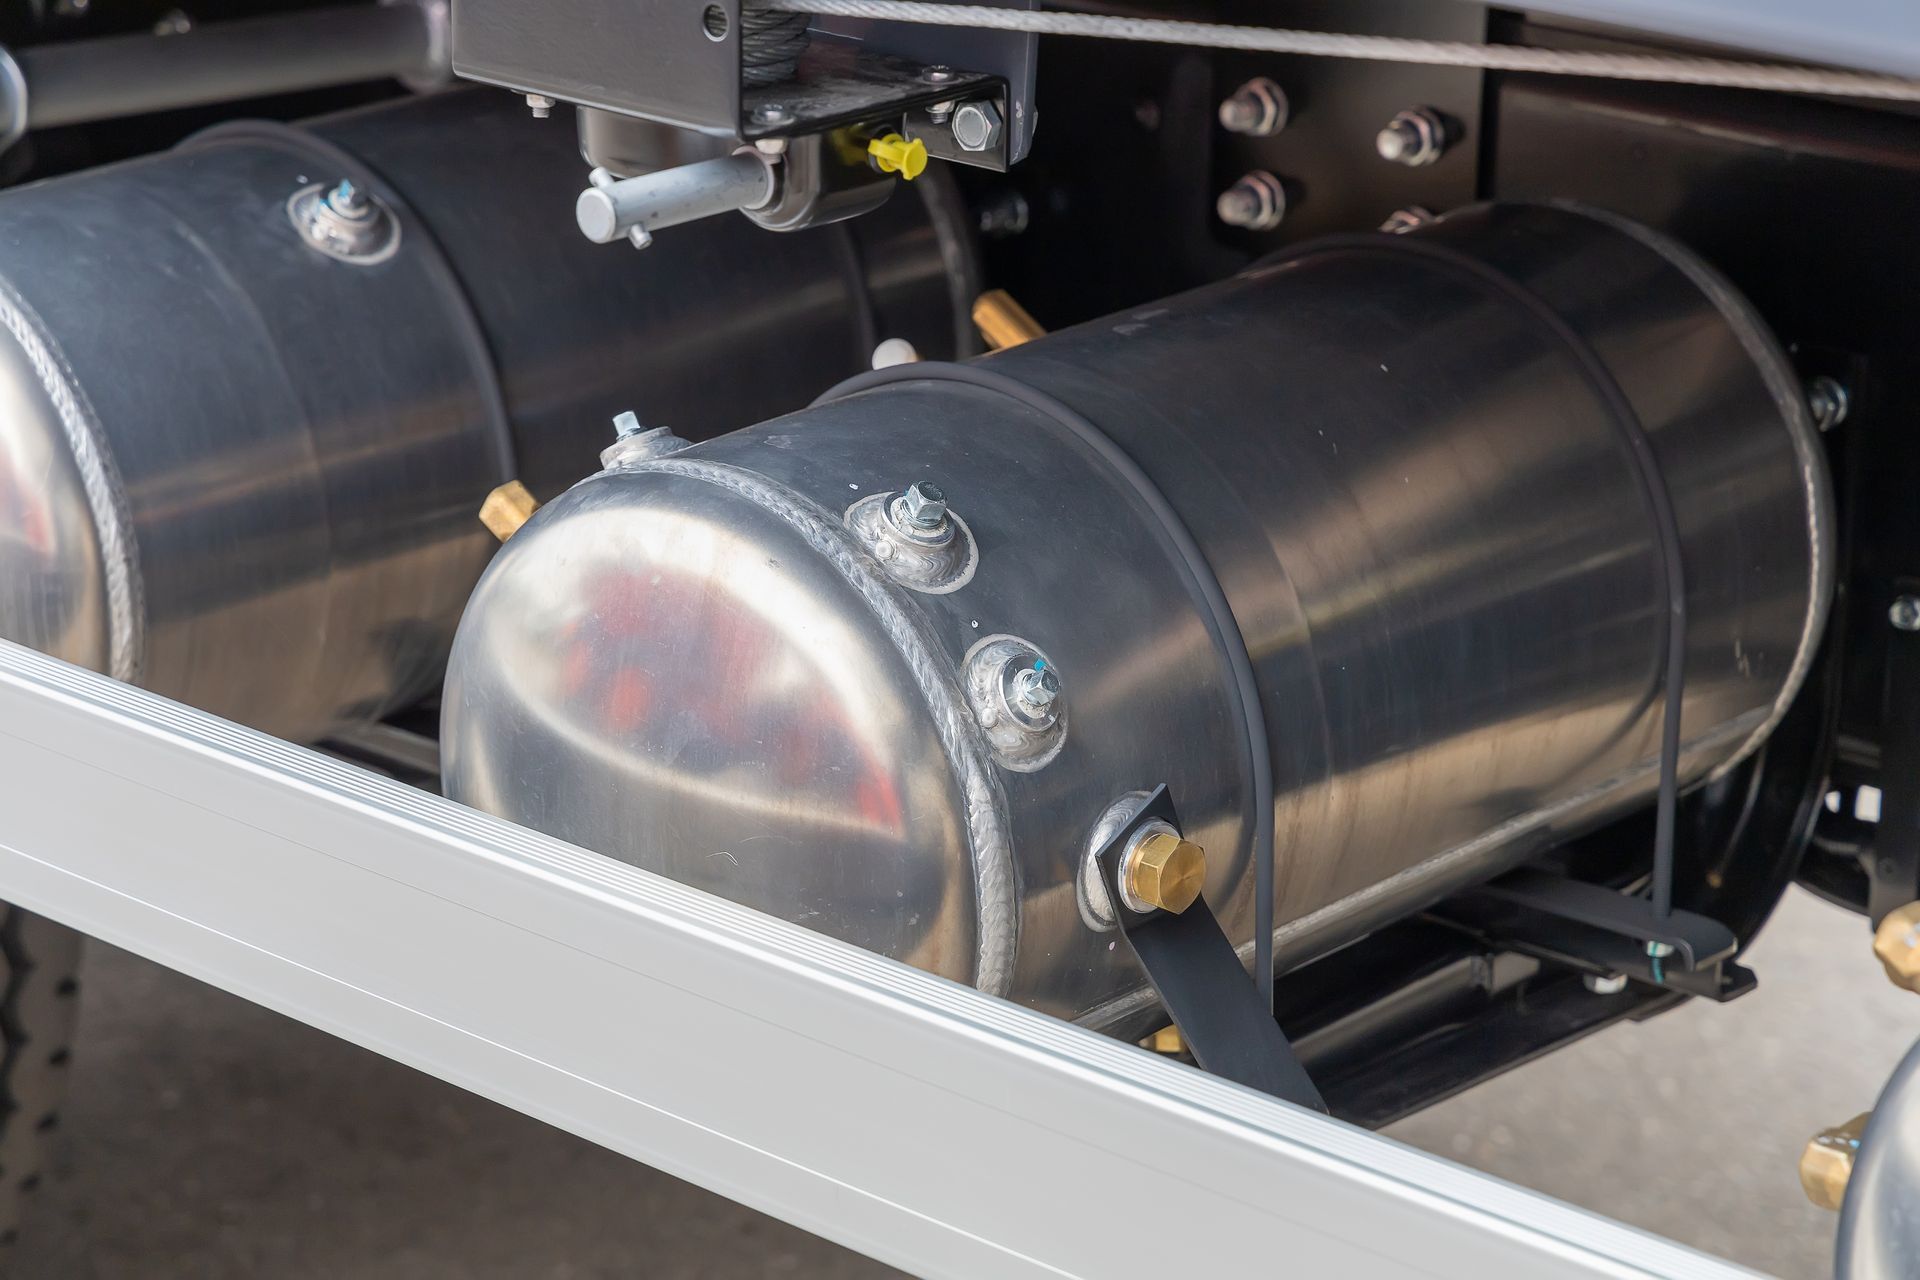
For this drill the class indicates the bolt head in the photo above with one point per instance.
(771, 113)
(1828, 402)
(1897, 943)
(1035, 690)
(1413, 138)
(1257, 202)
(978, 126)
(925, 506)
(938, 74)
(1904, 613)
(540, 104)
(1165, 871)
(1257, 109)
(349, 199)
(1605, 984)
(627, 424)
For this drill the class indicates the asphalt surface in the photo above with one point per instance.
(208, 1138)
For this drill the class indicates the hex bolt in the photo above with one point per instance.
(1257, 109)
(1257, 202)
(924, 506)
(1828, 401)
(772, 113)
(1401, 221)
(1416, 136)
(349, 200)
(977, 126)
(1034, 692)
(938, 74)
(626, 425)
(1904, 613)
(540, 104)
(1604, 984)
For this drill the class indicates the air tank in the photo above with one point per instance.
(1365, 543)
(248, 413)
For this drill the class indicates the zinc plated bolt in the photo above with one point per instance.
(1414, 137)
(1605, 984)
(348, 200)
(772, 113)
(1035, 690)
(1256, 202)
(938, 74)
(1904, 613)
(977, 126)
(1827, 401)
(1257, 109)
(925, 506)
(540, 104)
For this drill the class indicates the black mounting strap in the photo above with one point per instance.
(1591, 927)
(1206, 991)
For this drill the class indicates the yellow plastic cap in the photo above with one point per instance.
(895, 154)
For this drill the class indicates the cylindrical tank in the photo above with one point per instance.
(1415, 467)
(244, 433)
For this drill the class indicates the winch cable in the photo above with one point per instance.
(1659, 68)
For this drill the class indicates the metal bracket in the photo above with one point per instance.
(1893, 872)
(1209, 996)
(1591, 927)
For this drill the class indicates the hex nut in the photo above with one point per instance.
(1827, 1162)
(1897, 943)
(977, 126)
(1165, 871)
(507, 508)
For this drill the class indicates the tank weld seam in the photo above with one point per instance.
(99, 478)
(1207, 596)
(988, 833)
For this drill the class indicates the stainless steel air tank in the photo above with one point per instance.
(769, 666)
(247, 415)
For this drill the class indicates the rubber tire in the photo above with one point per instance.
(40, 1008)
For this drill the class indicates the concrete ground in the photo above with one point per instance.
(208, 1138)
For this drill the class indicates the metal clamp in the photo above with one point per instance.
(1187, 958)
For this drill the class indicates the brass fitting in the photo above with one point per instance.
(1897, 943)
(1165, 871)
(1167, 1040)
(1827, 1162)
(1003, 322)
(506, 509)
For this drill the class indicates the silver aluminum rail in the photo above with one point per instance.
(920, 1122)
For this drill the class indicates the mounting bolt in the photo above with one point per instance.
(627, 425)
(977, 126)
(1162, 870)
(1034, 692)
(1904, 613)
(1605, 984)
(1401, 221)
(1417, 136)
(1257, 202)
(350, 201)
(1827, 401)
(772, 113)
(1257, 109)
(540, 104)
(938, 74)
(924, 507)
